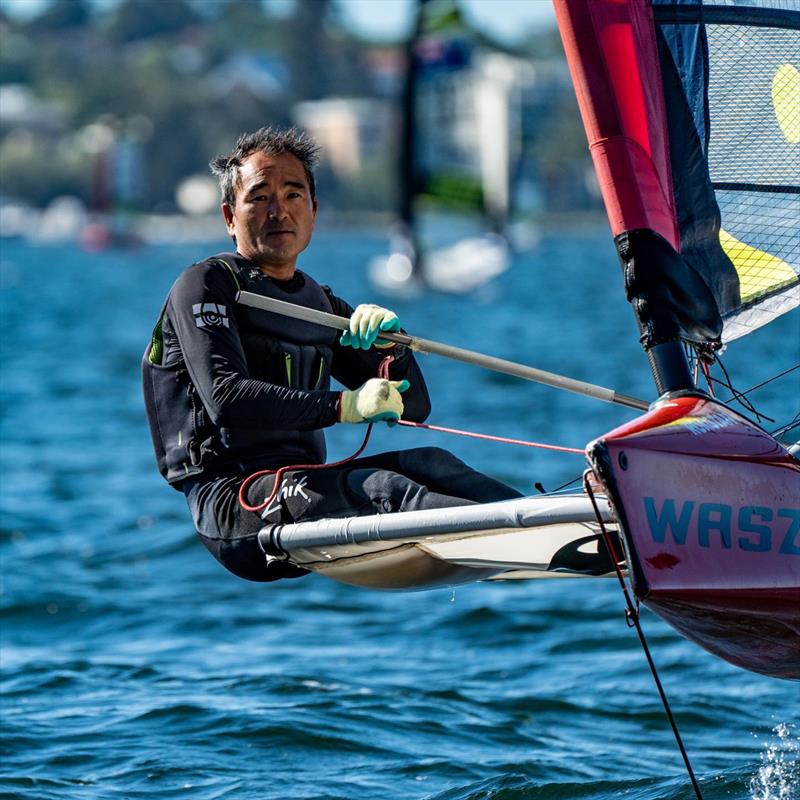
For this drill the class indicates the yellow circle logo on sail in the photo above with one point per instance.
(786, 101)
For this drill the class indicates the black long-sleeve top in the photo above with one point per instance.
(230, 387)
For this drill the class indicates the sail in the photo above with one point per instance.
(693, 119)
(459, 159)
(693, 115)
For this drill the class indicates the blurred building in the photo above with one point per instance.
(353, 132)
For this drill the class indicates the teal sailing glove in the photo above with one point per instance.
(378, 400)
(366, 323)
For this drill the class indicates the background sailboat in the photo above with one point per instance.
(459, 146)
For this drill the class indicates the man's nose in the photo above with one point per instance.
(276, 209)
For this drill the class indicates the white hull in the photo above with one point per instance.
(458, 269)
(540, 536)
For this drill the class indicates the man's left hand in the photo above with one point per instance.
(366, 324)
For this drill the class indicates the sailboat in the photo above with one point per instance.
(459, 140)
(693, 120)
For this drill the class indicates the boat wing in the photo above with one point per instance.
(540, 536)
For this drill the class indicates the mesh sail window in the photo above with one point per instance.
(731, 77)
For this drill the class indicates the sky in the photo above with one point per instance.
(508, 20)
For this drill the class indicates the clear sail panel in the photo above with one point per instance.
(754, 165)
(732, 81)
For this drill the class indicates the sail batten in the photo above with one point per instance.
(773, 15)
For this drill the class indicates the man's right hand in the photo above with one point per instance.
(366, 324)
(378, 400)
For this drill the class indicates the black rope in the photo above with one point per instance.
(765, 382)
(788, 426)
(568, 483)
(632, 616)
(709, 358)
(697, 355)
(740, 396)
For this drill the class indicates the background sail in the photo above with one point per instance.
(461, 151)
(731, 79)
(460, 142)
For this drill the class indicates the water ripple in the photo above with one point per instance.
(133, 666)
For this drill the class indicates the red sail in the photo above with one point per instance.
(612, 56)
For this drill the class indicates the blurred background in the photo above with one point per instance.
(111, 109)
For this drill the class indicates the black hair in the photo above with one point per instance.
(272, 142)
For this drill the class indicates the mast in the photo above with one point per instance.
(612, 54)
(407, 165)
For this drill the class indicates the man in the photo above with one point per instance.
(231, 390)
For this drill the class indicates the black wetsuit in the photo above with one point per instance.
(230, 390)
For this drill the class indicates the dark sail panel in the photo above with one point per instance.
(451, 92)
(460, 146)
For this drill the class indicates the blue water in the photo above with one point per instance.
(135, 667)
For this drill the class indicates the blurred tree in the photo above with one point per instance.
(36, 172)
(15, 54)
(246, 26)
(134, 20)
(195, 74)
(62, 15)
(307, 40)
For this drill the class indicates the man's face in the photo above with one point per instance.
(274, 214)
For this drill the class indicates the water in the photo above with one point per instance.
(135, 667)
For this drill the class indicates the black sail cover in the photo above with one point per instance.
(731, 81)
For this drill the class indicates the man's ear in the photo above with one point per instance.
(315, 205)
(227, 213)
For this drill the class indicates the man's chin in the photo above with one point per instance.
(275, 255)
(275, 261)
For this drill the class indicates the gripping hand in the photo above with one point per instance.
(366, 323)
(378, 400)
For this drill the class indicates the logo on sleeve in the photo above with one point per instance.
(210, 315)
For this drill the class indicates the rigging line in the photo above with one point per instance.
(737, 394)
(564, 485)
(744, 401)
(448, 351)
(787, 427)
(709, 380)
(632, 615)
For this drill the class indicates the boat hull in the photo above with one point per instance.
(709, 507)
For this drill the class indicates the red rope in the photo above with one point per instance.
(383, 372)
(707, 373)
(279, 473)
